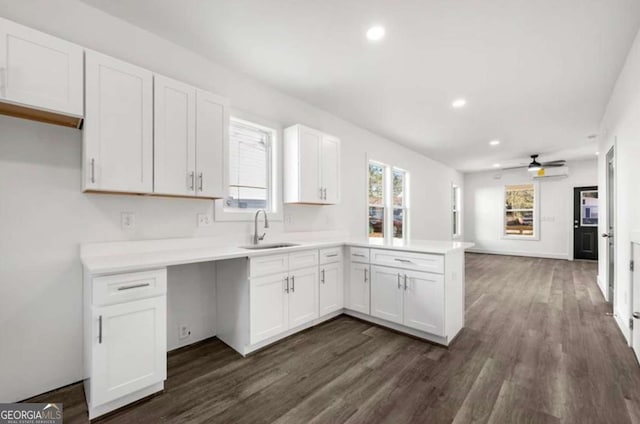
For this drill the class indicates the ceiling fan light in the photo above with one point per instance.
(534, 168)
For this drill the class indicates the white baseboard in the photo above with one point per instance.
(602, 288)
(624, 327)
(525, 254)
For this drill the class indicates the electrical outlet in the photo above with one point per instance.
(288, 219)
(204, 220)
(127, 220)
(184, 332)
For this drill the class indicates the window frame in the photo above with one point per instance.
(536, 213)
(275, 210)
(387, 204)
(456, 211)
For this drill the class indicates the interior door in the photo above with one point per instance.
(424, 302)
(129, 348)
(174, 151)
(358, 288)
(40, 70)
(387, 286)
(331, 288)
(118, 129)
(303, 296)
(212, 132)
(269, 306)
(585, 223)
(330, 170)
(611, 215)
(310, 187)
(635, 339)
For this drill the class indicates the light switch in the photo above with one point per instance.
(127, 220)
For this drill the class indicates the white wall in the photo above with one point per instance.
(621, 126)
(44, 216)
(483, 211)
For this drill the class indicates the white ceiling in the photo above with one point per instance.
(537, 74)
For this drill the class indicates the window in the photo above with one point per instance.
(456, 231)
(388, 202)
(520, 211)
(589, 208)
(251, 170)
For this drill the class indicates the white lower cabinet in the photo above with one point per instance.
(387, 292)
(269, 306)
(284, 300)
(424, 302)
(358, 287)
(411, 298)
(331, 288)
(129, 348)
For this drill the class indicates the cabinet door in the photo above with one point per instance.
(330, 164)
(174, 144)
(331, 288)
(309, 157)
(118, 131)
(303, 296)
(212, 132)
(268, 306)
(424, 302)
(386, 293)
(358, 288)
(39, 70)
(129, 348)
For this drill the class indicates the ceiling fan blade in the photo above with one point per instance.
(553, 164)
(515, 167)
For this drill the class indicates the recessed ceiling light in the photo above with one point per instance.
(375, 33)
(459, 103)
(496, 165)
(494, 142)
(597, 153)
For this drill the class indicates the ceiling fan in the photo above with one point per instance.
(536, 166)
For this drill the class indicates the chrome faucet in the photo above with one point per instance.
(256, 237)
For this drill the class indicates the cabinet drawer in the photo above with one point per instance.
(407, 260)
(303, 259)
(120, 288)
(330, 255)
(266, 265)
(359, 254)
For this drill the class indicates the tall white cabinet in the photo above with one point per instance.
(311, 166)
(118, 130)
(41, 76)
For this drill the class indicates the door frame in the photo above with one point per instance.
(611, 205)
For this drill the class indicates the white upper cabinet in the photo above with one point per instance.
(38, 71)
(118, 130)
(190, 128)
(311, 166)
(212, 131)
(174, 154)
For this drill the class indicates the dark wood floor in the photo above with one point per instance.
(538, 347)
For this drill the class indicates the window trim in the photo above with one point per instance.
(536, 213)
(387, 204)
(275, 179)
(456, 208)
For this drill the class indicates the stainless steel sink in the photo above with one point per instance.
(268, 246)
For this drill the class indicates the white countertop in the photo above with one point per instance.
(104, 258)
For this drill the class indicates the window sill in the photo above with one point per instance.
(526, 238)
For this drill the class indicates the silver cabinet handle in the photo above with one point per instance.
(100, 329)
(324, 193)
(405, 282)
(201, 183)
(286, 279)
(93, 170)
(331, 256)
(135, 286)
(399, 285)
(322, 277)
(366, 277)
(3, 82)
(192, 180)
(293, 283)
(405, 261)
(360, 255)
